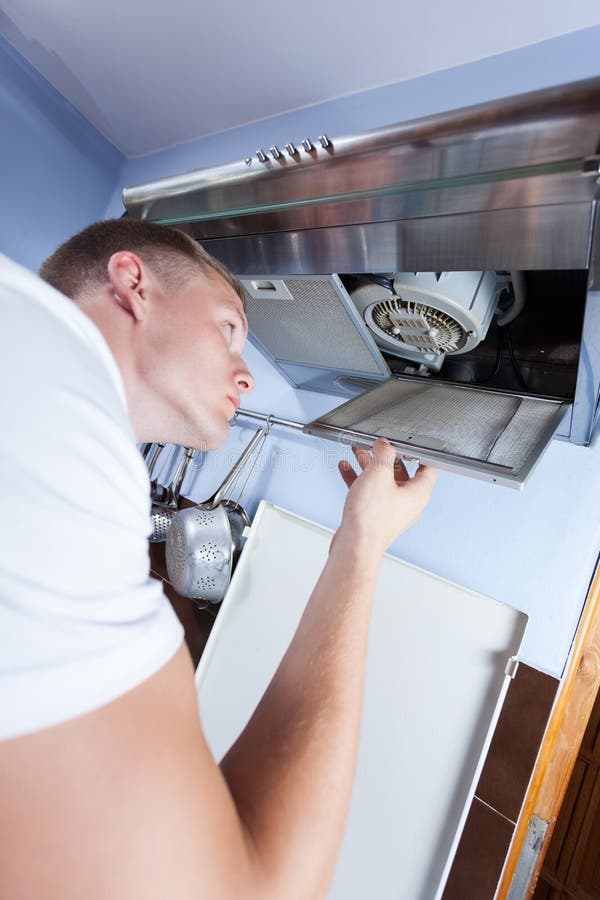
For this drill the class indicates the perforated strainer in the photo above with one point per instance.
(199, 553)
(166, 499)
(203, 541)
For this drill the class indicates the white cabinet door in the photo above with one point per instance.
(435, 684)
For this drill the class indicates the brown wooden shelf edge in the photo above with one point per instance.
(563, 736)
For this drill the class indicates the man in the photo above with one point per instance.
(108, 787)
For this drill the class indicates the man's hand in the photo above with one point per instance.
(382, 501)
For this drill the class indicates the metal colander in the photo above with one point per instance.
(204, 541)
(199, 553)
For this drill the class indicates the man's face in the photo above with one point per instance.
(201, 374)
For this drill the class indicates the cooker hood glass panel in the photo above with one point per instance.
(181, 210)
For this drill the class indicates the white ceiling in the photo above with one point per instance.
(150, 74)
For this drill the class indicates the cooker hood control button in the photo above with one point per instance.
(291, 149)
(308, 145)
(275, 152)
(261, 155)
(324, 141)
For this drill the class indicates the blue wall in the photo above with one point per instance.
(56, 171)
(536, 550)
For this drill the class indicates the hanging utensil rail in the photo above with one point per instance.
(270, 420)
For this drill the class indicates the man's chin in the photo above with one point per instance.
(217, 436)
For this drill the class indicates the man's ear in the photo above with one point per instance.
(128, 283)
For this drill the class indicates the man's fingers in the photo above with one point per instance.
(363, 457)
(426, 476)
(400, 473)
(383, 452)
(347, 473)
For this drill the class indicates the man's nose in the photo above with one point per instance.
(243, 378)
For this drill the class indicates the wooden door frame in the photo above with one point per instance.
(562, 738)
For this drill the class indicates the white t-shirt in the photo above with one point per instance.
(81, 621)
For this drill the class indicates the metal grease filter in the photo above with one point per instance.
(312, 329)
(476, 424)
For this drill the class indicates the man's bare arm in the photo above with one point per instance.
(127, 801)
(291, 771)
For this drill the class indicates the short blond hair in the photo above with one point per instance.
(82, 261)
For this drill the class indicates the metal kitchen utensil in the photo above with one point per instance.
(204, 541)
(238, 521)
(236, 471)
(158, 448)
(238, 518)
(161, 519)
(165, 507)
(199, 553)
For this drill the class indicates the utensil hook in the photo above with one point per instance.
(216, 498)
(238, 499)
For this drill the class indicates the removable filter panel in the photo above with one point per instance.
(487, 434)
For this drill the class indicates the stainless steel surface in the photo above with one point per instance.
(591, 166)
(521, 238)
(275, 152)
(587, 390)
(270, 420)
(158, 448)
(308, 145)
(291, 149)
(261, 156)
(324, 141)
(238, 521)
(594, 272)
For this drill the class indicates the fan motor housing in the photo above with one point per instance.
(430, 314)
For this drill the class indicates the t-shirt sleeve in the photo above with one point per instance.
(81, 621)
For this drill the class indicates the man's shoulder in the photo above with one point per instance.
(61, 389)
(33, 306)
(21, 289)
(48, 331)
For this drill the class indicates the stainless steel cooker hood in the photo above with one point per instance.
(337, 241)
(509, 184)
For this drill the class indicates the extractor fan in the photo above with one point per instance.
(422, 316)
